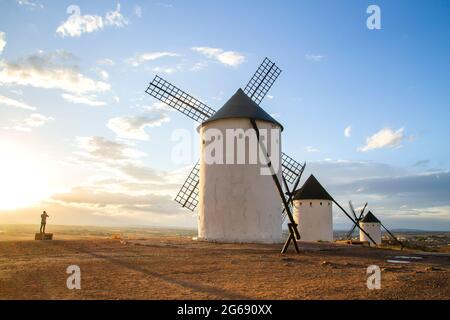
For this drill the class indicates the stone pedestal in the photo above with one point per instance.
(43, 236)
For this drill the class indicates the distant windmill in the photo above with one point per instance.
(371, 225)
(358, 218)
(235, 203)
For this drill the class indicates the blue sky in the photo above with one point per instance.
(102, 148)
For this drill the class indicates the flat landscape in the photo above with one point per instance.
(153, 263)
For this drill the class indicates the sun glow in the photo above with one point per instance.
(23, 177)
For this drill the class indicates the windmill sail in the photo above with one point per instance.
(179, 100)
(188, 194)
(357, 219)
(262, 81)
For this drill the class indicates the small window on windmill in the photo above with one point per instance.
(329, 203)
(300, 203)
(310, 204)
(321, 203)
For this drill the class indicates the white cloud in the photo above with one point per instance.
(385, 138)
(78, 24)
(116, 99)
(269, 96)
(49, 71)
(149, 56)
(137, 10)
(2, 41)
(164, 5)
(157, 106)
(229, 58)
(33, 121)
(30, 3)
(311, 149)
(15, 103)
(102, 74)
(115, 18)
(167, 70)
(133, 127)
(79, 99)
(106, 62)
(348, 132)
(99, 148)
(198, 66)
(314, 57)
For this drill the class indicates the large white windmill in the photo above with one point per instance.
(237, 202)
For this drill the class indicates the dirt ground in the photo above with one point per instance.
(177, 267)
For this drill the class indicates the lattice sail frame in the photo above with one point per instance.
(262, 81)
(188, 194)
(291, 169)
(299, 175)
(179, 100)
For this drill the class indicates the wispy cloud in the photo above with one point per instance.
(164, 5)
(123, 185)
(34, 120)
(29, 3)
(311, 149)
(99, 148)
(106, 62)
(418, 190)
(314, 57)
(49, 71)
(2, 41)
(385, 138)
(80, 99)
(138, 59)
(137, 10)
(168, 70)
(229, 58)
(15, 103)
(133, 127)
(157, 106)
(421, 163)
(348, 132)
(102, 74)
(78, 24)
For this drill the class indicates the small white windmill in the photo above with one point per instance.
(313, 211)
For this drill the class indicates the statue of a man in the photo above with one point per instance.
(44, 217)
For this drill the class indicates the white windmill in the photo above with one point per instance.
(372, 226)
(237, 203)
(313, 211)
(369, 227)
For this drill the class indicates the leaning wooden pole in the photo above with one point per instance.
(393, 237)
(293, 230)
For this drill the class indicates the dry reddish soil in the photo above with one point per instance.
(179, 268)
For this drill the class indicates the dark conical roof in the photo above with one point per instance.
(370, 218)
(241, 106)
(312, 189)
